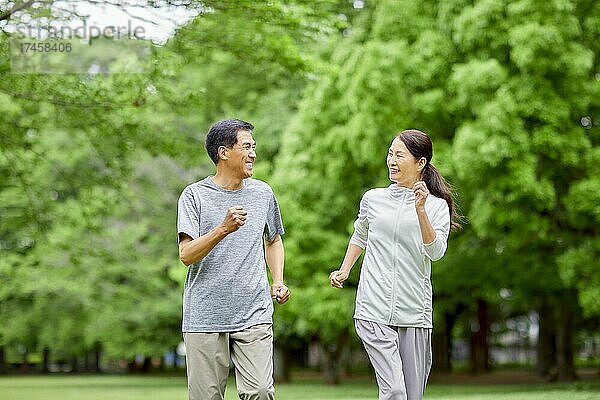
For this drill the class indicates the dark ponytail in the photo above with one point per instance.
(420, 146)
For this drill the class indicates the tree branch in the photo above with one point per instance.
(16, 7)
(63, 103)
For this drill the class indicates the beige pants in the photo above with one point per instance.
(401, 358)
(250, 350)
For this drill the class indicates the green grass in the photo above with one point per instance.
(122, 387)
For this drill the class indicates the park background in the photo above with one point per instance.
(92, 164)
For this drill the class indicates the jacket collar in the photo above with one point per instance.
(401, 193)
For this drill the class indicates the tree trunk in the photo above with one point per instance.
(46, 360)
(147, 365)
(2, 360)
(92, 359)
(97, 353)
(442, 345)
(564, 339)
(479, 339)
(87, 362)
(327, 364)
(331, 362)
(74, 364)
(345, 356)
(25, 364)
(442, 341)
(132, 366)
(282, 364)
(546, 347)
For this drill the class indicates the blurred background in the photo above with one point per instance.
(97, 143)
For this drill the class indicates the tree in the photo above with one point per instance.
(535, 85)
(85, 159)
(501, 87)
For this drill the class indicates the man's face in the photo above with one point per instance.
(242, 155)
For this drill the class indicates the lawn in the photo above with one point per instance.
(122, 387)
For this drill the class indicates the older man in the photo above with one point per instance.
(228, 224)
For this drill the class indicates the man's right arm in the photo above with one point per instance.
(194, 250)
(191, 251)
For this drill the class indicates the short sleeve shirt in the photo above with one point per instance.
(228, 289)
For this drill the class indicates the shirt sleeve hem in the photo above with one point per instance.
(187, 232)
(270, 237)
(360, 243)
(434, 250)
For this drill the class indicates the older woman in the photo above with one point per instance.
(403, 227)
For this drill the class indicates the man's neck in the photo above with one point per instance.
(227, 181)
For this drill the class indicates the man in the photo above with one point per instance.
(223, 223)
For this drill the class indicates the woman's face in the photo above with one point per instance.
(403, 167)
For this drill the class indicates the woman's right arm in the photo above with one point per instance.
(337, 277)
(358, 242)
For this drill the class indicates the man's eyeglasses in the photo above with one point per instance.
(247, 147)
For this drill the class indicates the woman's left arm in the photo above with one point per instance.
(434, 232)
(427, 232)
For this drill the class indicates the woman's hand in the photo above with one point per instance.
(421, 193)
(337, 278)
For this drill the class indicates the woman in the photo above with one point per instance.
(403, 228)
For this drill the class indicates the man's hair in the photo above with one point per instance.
(224, 133)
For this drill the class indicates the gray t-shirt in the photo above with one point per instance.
(228, 290)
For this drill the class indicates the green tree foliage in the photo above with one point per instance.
(504, 89)
(527, 123)
(92, 166)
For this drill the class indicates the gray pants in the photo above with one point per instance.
(401, 358)
(250, 350)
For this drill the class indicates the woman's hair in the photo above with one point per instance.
(420, 146)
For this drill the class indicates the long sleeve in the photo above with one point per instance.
(440, 221)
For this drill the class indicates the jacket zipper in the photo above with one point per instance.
(394, 258)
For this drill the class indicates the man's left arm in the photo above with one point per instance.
(274, 255)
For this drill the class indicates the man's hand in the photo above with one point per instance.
(280, 292)
(337, 278)
(234, 219)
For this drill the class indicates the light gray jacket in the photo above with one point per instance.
(395, 279)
